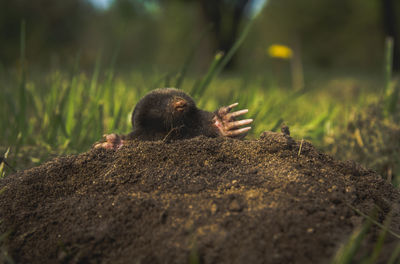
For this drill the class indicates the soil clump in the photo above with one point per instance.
(207, 200)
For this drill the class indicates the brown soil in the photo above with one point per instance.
(209, 200)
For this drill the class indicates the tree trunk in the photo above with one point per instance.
(225, 18)
(390, 29)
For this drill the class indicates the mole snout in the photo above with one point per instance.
(179, 104)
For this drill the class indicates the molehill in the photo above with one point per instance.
(207, 200)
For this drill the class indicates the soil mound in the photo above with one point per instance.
(208, 200)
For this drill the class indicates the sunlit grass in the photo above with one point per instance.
(68, 112)
(62, 112)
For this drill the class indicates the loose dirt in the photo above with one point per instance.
(207, 200)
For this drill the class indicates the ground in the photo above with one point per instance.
(203, 200)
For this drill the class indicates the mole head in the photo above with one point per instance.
(163, 109)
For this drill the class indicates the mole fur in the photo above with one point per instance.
(170, 113)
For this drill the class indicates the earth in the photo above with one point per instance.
(201, 200)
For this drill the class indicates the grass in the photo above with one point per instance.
(348, 251)
(60, 112)
(67, 112)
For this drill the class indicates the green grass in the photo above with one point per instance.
(68, 112)
(58, 112)
(350, 251)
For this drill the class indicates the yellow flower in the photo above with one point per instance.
(280, 51)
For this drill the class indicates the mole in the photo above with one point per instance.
(170, 114)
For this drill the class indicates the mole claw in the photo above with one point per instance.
(239, 123)
(232, 106)
(112, 141)
(104, 145)
(112, 138)
(238, 132)
(236, 114)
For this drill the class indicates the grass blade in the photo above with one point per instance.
(346, 252)
(388, 63)
(234, 48)
(189, 58)
(379, 244)
(394, 255)
(199, 88)
(22, 86)
(374, 221)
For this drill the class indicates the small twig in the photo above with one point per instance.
(301, 145)
(169, 133)
(390, 175)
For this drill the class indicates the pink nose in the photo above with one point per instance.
(179, 105)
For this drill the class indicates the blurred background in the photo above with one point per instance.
(160, 34)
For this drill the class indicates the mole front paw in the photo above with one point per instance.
(227, 125)
(113, 141)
